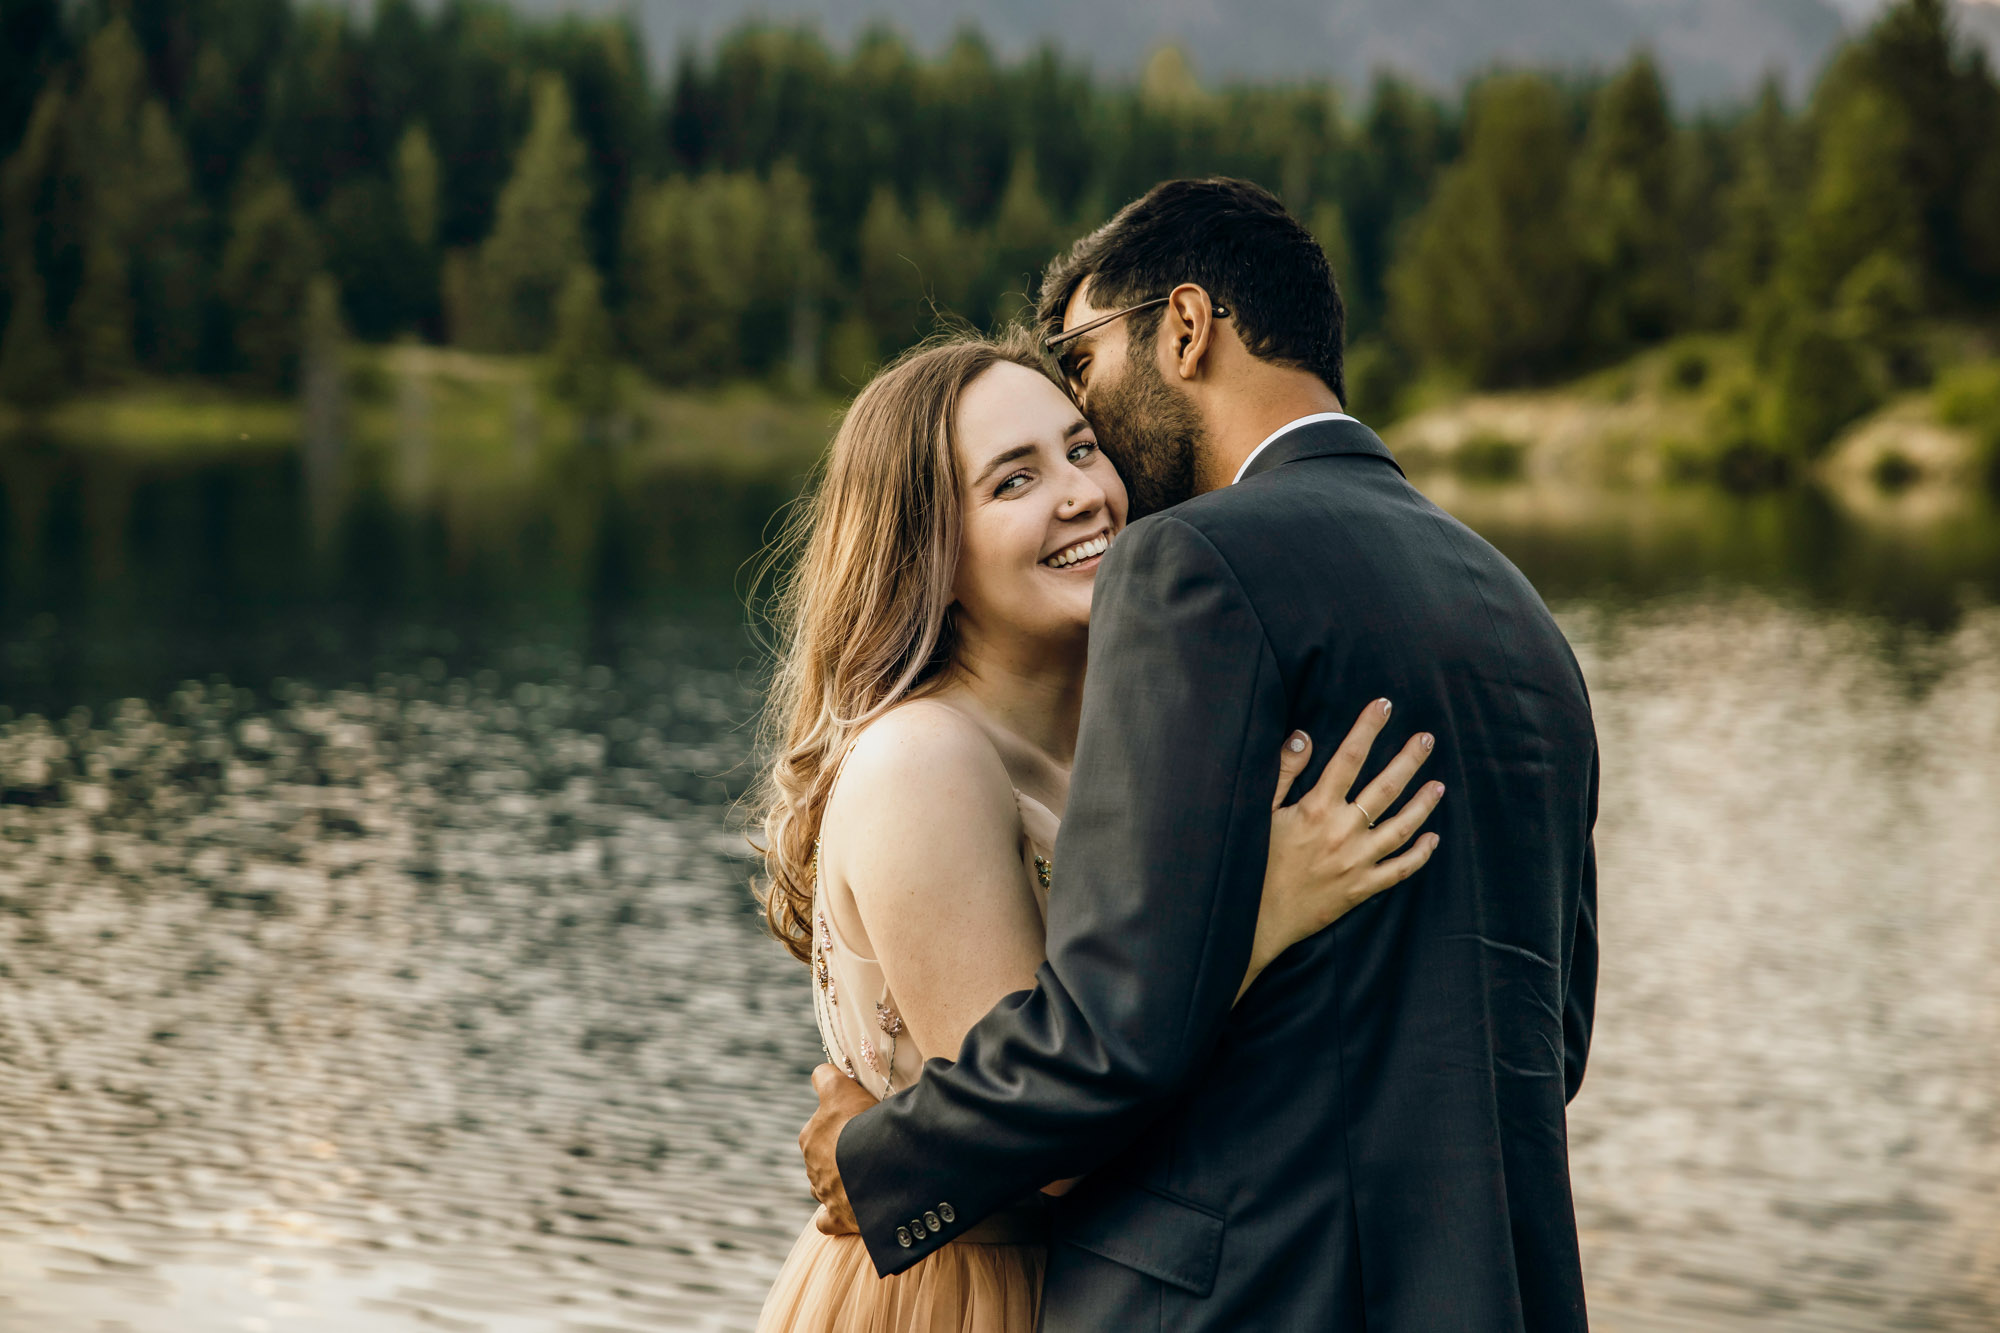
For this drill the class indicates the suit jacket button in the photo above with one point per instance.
(931, 1221)
(917, 1228)
(947, 1212)
(903, 1237)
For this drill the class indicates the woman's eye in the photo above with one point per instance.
(1079, 453)
(1012, 484)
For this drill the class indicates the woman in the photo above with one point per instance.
(935, 626)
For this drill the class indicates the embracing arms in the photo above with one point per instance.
(1152, 922)
(929, 845)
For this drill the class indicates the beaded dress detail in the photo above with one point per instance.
(859, 1027)
(987, 1281)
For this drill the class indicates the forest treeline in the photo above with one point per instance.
(180, 175)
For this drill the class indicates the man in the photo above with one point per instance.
(1374, 1138)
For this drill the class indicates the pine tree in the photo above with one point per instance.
(33, 35)
(271, 258)
(31, 365)
(382, 279)
(1403, 144)
(1328, 225)
(101, 152)
(1168, 83)
(1856, 208)
(1627, 201)
(794, 278)
(419, 208)
(100, 206)
(582, 365)
(1913, 59)
(538, 232)
(1913, 105)
(912, 268)
(690, 252)
(1025, 235)
(1491, 284)
(723, 276)
(32, 369)
(1755, 206)
(99, 327)
(169, 276)
(417, 186)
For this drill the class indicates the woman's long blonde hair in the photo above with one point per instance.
(863, 573)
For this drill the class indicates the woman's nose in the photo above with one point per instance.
(1082, 496)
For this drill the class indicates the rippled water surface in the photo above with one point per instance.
(416, 989)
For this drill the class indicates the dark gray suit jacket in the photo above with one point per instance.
(1375, 1137)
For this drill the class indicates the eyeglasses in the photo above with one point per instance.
(1221, 312)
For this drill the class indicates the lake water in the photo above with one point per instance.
(375, 955)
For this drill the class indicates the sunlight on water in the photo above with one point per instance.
(1793, 1109)
(438, 982)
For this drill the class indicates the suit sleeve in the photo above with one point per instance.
(1580, 1001)
(1158, 876)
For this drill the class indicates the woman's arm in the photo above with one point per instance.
(924, 831)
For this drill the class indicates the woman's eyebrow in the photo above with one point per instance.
(1000, 460)
(1076, 428)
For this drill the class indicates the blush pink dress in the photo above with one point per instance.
(989, 1280)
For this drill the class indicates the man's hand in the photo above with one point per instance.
(840, 1100)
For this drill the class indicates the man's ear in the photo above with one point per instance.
(1189, 324)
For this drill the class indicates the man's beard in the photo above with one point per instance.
(1151, 433)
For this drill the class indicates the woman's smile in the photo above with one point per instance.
(1081, 555)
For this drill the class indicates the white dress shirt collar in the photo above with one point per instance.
(1284, 429)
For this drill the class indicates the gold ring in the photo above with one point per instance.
(1364, 813)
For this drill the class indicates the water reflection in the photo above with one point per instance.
(121, 574)
(1923, 562)
(433, 1001)
(1793, 1115)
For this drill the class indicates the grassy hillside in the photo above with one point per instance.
(453, 412)
(1677, 414)
(421, 417)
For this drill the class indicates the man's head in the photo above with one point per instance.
(1241, 289)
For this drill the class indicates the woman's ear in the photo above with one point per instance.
(1191, 322)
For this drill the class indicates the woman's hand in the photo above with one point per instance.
(1328, 854)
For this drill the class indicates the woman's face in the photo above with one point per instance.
(1040, 501)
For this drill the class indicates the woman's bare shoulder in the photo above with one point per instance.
(918, 747)
(918, 763)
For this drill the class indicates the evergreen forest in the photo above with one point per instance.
(184, 180)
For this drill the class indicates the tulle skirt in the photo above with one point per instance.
(828, 1285)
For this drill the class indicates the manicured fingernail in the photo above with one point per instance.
(1385, 706)
(1437, 790)
(1428, 740)
(1297, 743)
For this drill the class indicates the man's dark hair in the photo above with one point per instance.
(1234, 239)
